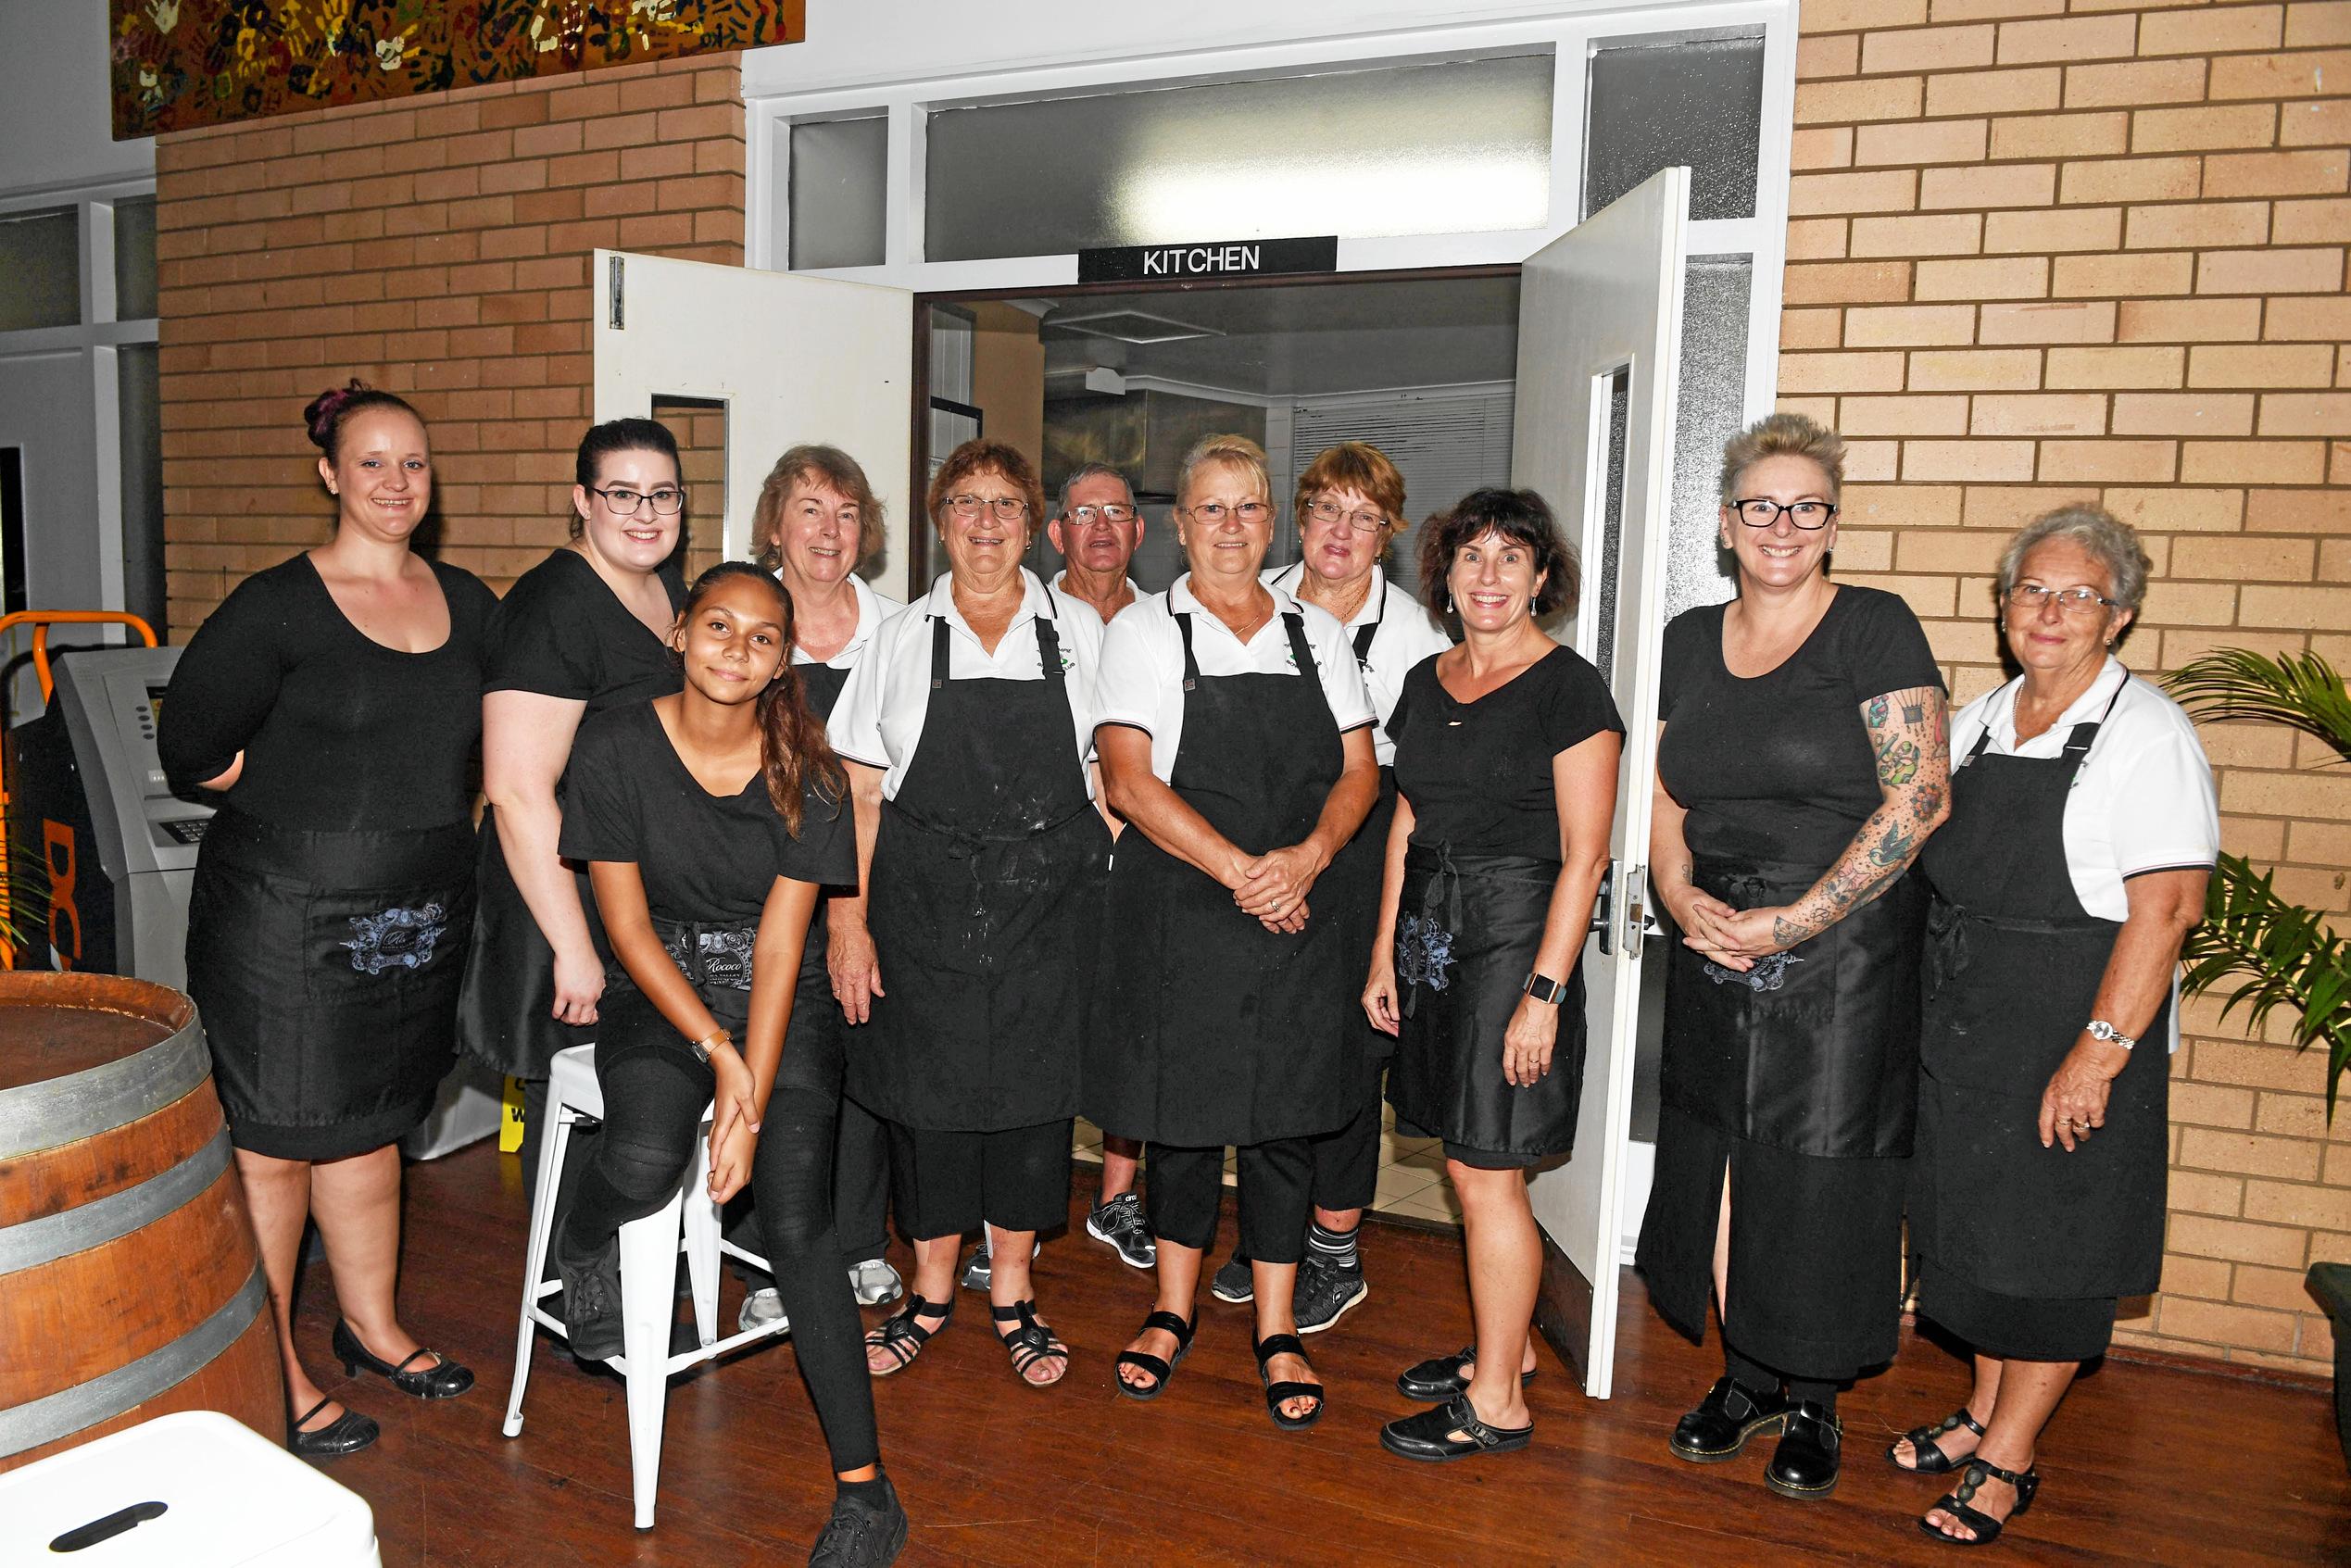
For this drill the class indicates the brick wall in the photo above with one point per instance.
(2042, 251)
(438, 248)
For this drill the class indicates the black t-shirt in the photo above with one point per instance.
(1779, 767)
(702, 859)
(340, 734)
(561, 631)
(1479, 773)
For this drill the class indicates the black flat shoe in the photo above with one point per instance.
(1440, 1378)
(1449, 1432)
(1160, 1371)
(1986, 1528)
(1729, 1414)
(1926, 1456)
(347, 1434)
(443, 1380)
(1805, 1464)
(1281, 1393)
(860, 1536)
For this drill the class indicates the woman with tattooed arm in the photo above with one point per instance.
(1803, 757)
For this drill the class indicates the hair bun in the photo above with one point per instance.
(318, 419)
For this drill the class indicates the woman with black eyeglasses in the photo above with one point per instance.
(967, 728)
(1802, 760)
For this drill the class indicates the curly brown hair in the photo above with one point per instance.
(1519, 515)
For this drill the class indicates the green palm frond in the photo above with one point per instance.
(2280, 955)
(2302, 692)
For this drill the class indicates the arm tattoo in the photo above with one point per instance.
(1913, 771)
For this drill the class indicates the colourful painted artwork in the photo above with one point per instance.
(181, 63)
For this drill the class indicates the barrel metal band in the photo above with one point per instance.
(116, 1214)
(83, 1406)
(80, 1105)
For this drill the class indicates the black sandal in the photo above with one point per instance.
(1276, 1393)
(1160, 1371)
(1441, 1378)
(1030, 1343)
(902, 1336)
(1430, 1436)
(1926, 1454)
(1987, 1528)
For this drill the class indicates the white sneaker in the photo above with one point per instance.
(762, 1309)
(875, 1281)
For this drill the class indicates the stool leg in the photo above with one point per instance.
(649, 1301)
(534, 1261)
(701, 1224)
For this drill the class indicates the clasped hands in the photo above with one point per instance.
(1274, 886)
(1732, 938)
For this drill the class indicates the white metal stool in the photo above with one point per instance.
(648, 1276)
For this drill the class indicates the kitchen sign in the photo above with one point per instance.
(1217, 258)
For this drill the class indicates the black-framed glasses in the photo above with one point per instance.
(1757, 512)
(1008, 508)
(2078, 600)
(1363, 521)
(1214, 512)
(1087, 516)
(627, 502)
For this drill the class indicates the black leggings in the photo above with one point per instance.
(654, 1094)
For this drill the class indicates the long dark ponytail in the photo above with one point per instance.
(794, 751)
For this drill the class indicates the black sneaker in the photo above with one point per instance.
(1234, 1283)
(860, 1536)
(592, 1302)
(1724, 1419)
(1327, 1293)
(1118, 1224)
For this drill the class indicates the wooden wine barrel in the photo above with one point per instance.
(128, 1283)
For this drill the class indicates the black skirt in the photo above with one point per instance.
(2019, 1328)
(505, 1016)
(326, 968)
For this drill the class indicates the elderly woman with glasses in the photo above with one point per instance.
(2084, 825)
(962, 961)
(1802, 761)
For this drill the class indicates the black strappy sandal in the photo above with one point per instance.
(1030, 1343)
(1160, 1371)
(1987, 1528)
(902, 1336)
(1927, 1453)
(1276, 1393)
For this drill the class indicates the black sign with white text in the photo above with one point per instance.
(1219, 259)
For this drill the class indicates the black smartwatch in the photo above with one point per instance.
(1545, 989)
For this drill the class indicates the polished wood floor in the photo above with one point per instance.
(2144, 1466)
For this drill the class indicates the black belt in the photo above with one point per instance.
(710, 955)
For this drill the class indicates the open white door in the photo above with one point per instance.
(782, 358)
(1599, 352)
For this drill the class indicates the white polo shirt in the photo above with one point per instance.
(872, 608)
(1060, 586)
(1406, 636)
(879, 719)
(1141, 680)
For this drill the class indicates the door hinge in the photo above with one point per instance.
(619, 276)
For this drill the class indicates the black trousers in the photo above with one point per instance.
(861, 1184)
(1347, 1161)
(949, 1182)
(1184, 1187)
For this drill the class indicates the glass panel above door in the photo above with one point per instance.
(40, 270)
(1460, 146)
(134, 258)
(1654, 101)
(839, 190)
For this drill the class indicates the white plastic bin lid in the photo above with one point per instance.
(190, 1490)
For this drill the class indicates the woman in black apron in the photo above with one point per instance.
(967, 727)
(2037, 1188)
(1506, 754)
(1235, 741)
(331, 700)
(817, 517)
(1349, 508)
(1801, 760)
(584, 630)
(710, 821)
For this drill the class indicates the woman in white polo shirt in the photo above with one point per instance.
(1236, 740)
(2083, 826)
(967, 727)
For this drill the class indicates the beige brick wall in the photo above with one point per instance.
(2041, 251)
(438, 248)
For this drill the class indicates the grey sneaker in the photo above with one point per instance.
(762, 1309)
(1119, 1224)
(1234, 1282)
(1328, 1294)
(860, 1537)
(876, 1283)
(977, 1273)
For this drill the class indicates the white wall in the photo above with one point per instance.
(56, 118)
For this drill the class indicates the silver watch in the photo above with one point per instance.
(2099, 1029)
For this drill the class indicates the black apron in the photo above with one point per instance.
(812, 1045)
(1208, 1029)
(986, 905)
(327, 965)
(2013, 963)
(1350, 886)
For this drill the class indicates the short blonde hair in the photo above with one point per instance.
(2114, 542)
(1225, 451)
(1782, 435)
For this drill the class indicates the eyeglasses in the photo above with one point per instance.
(666, 502)
(1087, 517)
(1008, 508)
(2073, 601)
(1214, 512)
(1363, 521)
(1756, 512)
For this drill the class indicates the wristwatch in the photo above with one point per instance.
(1545, 989)
(708, 1043)
(2099, 1029)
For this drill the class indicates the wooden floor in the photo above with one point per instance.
(2143, 1464)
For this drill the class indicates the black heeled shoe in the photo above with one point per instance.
(443, 1380)
(347, 1434)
